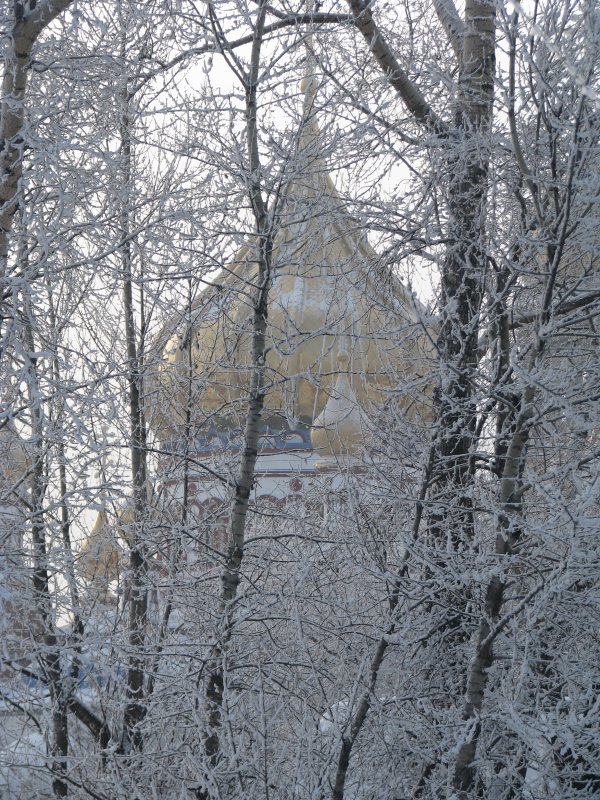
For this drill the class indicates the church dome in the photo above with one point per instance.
(329, 294)
(100, 556)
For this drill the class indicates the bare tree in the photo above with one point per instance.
(416, 622)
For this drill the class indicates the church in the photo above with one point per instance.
(348, 355)
(347, 351)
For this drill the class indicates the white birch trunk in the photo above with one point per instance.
(230, 577)
(27, 27)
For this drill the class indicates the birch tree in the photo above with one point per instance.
(27, 22)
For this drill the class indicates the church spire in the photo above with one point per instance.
(309, 128)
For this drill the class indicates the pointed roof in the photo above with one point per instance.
(100, 556)
(328, 295)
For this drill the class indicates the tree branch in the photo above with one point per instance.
(284, 21)
(562, 310)
(452, 24)
(92, 722)
(398, 78)
(42, 15)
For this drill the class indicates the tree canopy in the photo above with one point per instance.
(300, 392)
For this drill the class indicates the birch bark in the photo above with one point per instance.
(230, 577)
(49, 654)
(29, 22)
(135, 709)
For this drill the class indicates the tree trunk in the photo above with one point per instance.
(27, 27)
(462, 283)
(49, 655)
(507, 538)
(245, 480)
(138, 591)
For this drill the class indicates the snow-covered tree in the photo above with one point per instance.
(416, 622)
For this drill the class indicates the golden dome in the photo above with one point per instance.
(315, 310)
(329, 293)
(100, 556)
